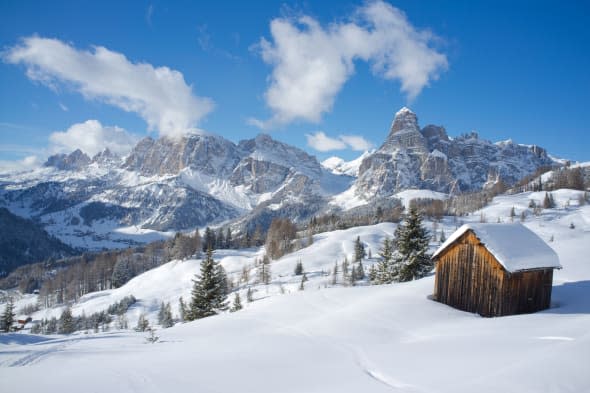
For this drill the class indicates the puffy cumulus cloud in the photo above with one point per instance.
(311, 63)
(27, 163)
(159, 95)
(356, 142)
(321, 142)
(92, 137)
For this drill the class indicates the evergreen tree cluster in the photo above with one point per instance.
(209, 293)
(349, 274)
(223, 239)
(359, 250)
(165, 318)
(67, 323)
(548, 201)
(122, 306)
(405, 257)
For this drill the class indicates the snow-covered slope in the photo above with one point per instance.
(333, 339)
(340, 167)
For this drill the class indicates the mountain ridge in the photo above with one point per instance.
(167, 185)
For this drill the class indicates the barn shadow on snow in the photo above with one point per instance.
(570, 298)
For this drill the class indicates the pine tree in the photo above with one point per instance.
(142, 323)
(249, 295)
(209, 242)
(237, 304)
(359, 249)
(335, 274)
(512, 214)
(352, 277)
(122, 272)
(228, 239)
(345, 271)
(302, 283)
(383, 273)
(8, 316)
(66, 322)
(443, 237)
(548, 201)
(264, 270)
(411, 240)
(373, 274)
(165, 318)
(298, 268)
(209, 292)
(182, 309)
(360, 271)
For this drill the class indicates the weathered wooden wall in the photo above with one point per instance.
(469, 277)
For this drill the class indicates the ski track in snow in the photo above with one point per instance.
(34, 355)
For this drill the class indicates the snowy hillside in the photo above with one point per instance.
(332, 339)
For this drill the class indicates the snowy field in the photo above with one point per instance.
(330, 339)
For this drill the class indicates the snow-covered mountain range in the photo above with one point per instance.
(167, 185)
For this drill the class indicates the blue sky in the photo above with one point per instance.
(296, 70)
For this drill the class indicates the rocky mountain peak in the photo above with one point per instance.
(106, 157)
(405, 120)
(404, 133)
(68, 162)
(208, 154)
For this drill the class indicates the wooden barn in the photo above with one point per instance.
(495, 270)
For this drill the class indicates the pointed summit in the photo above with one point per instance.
(404, 133)
(405, 120)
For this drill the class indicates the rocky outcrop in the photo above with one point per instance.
(208, 154)
(74, 161)
(428, 158)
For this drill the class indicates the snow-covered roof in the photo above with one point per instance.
(515, 246)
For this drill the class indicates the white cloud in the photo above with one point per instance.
(63, 107)
(356, 142)
(311, 63)
(92, 137)
(321, 142)
(159, 95)
(27, 163)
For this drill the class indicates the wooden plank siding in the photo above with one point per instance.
(469, 277)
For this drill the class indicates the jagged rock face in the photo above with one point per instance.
(434, 134)
(428, 158)
(269, 164)
(264, 148)
(210, 155)
(106, 157)
(259, 176)
(404, 134)
(68, 162)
